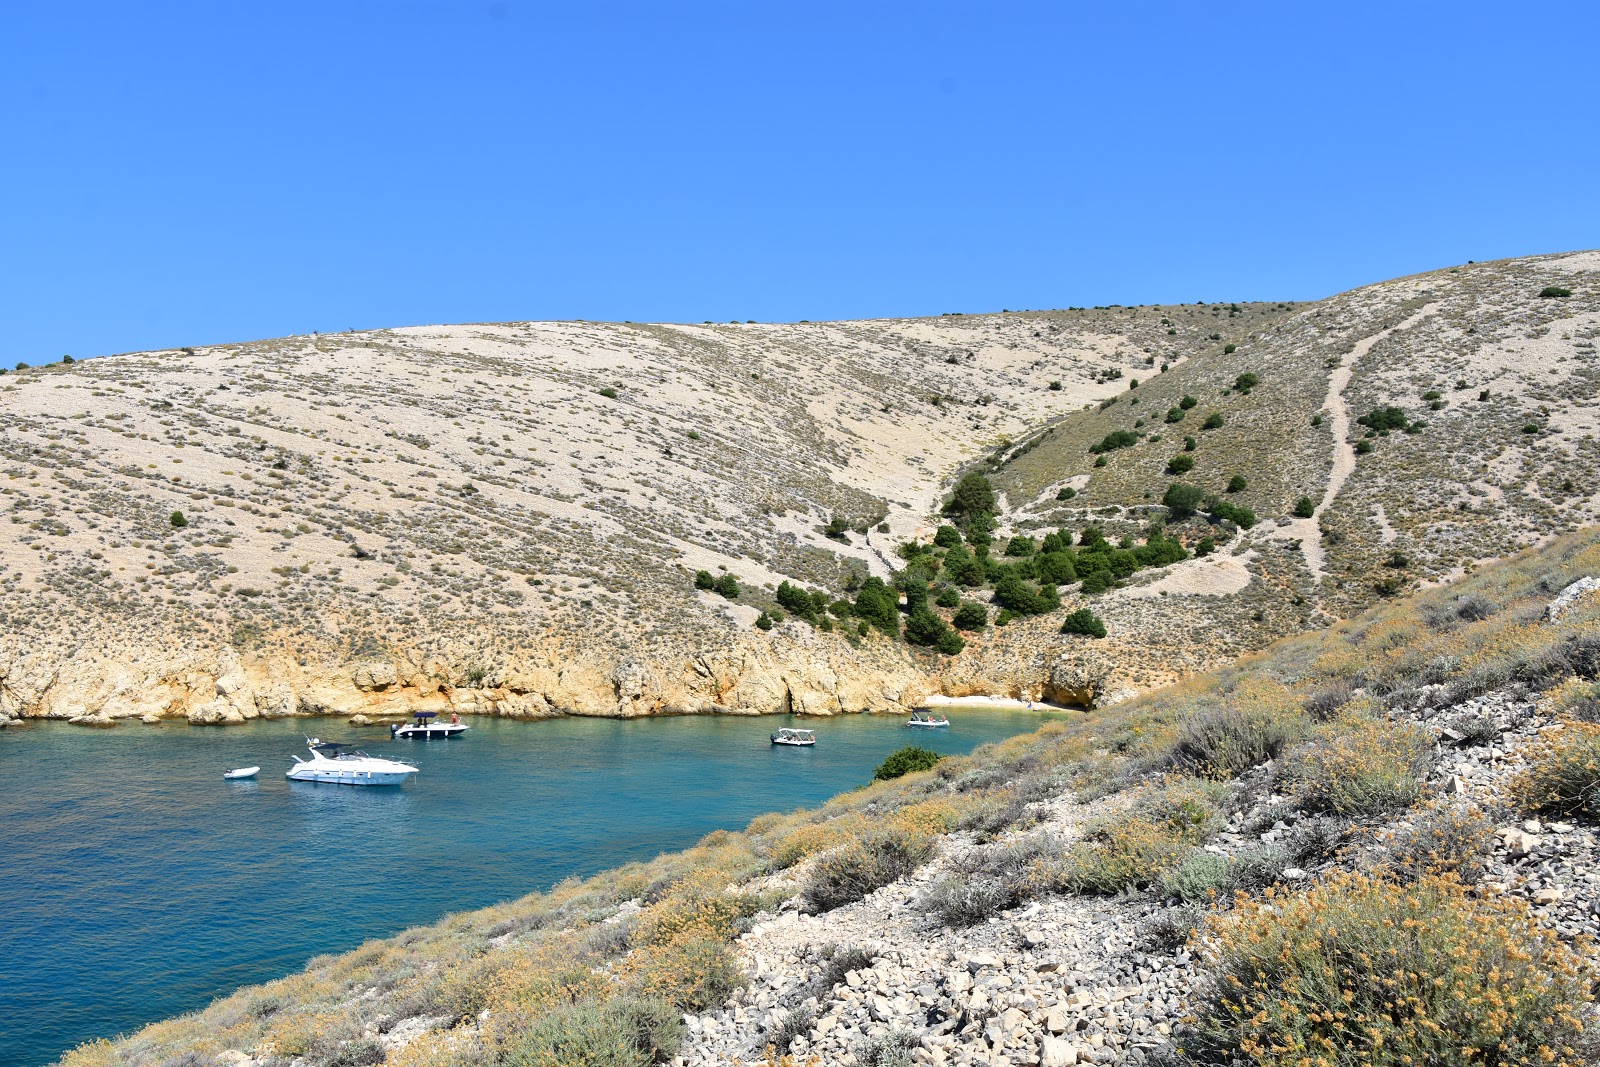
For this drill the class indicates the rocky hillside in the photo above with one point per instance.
(508, 518)
(1375, 844)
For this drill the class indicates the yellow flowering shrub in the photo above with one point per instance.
(1563, 773)
(1362, 971)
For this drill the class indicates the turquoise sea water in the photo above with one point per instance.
(138, 884)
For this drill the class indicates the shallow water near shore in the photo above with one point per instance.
(138, 884)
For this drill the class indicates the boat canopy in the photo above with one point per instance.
(424, 715)
(333, 748)
(794, 730)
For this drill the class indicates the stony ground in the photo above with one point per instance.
(1067, 980)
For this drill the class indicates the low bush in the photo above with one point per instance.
(1224, 741)
(1237, 484)
(1168, 929)
(797, 1022)
(1304, 508)
(1440, 839)
(893, 1049)
(1359, 970)
(1562, 776)
(839, 962)
(1359, 764)
(1554, 291)
(848, 874)
(1182, 463)
(629, 1031)
(1223, 511)
(692, 972)
(727, 586)
(906, 760)
(1577, 699)
(1202, 876)
(961, 901)
(1115, 440)
(1133, 851)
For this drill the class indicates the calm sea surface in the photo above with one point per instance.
(137, 884)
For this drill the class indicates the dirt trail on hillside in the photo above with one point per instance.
(1344, 454)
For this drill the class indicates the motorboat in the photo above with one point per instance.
(423, 726)
(342, 764)
(921, 717)
(241, 772)
(798, 738)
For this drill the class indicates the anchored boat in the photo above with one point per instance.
(798, 738)
(341, 764)
(919, 717)
(424, 727)
(241, 772)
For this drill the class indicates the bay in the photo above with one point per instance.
(138, 884)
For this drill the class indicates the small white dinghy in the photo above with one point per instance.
(926, 718)
(794, 738)
(242, 772)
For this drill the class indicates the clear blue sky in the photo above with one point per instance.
(193, 173)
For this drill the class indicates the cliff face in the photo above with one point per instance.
(506, 518)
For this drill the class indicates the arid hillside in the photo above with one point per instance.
(508, 518)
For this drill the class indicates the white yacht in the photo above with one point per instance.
(343, 764)
(424, 727)
(788, 736)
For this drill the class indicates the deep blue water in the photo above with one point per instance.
(137, 884)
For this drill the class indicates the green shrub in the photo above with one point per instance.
(1083, 621)
(1562, 776)
(1246, 382)
(1190, 444)
(609, 393)
(764, 621)
(1363, 447)
(947, 537)
(971, 617)
(1207, 545)
(1304, 508)
(1066, 493)
(1115, 440)
(906, 760)
(1554, 291)
(1223, 511)
(1188, 402)
(177, 520)
(630, 1031)
(1230, 349)
(705, 580)
(1182, 500)
(948, 597)
(1213, 421)
(1020, 545)
(1237, 484)
(1359, 970)
(973, 495)
(1182, 463)
(1384, 419)
(1175, 414)
(728, 586)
